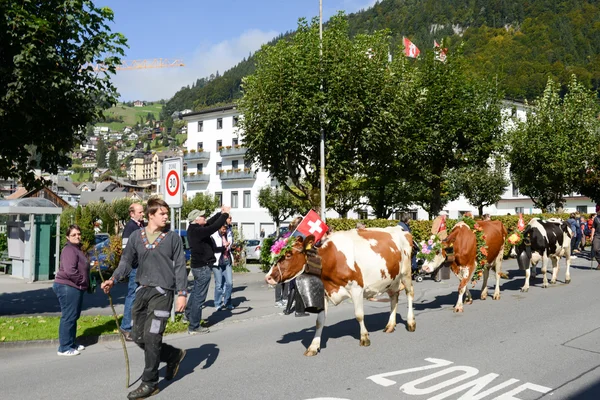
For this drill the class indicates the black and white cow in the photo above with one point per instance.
(544, 240)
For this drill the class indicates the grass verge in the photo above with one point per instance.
(14, 329)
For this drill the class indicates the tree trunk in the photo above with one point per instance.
(480, 210)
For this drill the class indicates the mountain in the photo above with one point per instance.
(517, 43)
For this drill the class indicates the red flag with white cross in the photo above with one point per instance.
(312, 224)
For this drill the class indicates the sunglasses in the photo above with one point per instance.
(74, 234)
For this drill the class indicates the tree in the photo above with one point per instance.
(48, 91)
(280, 204)
(113, 162)
(284, 107)
(552, 151)
(346, 197)
(200, 201)
(442, 120)
(483, 185)
(101, 154)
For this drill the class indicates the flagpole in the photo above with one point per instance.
(322, 147)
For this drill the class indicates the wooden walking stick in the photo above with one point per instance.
(120, 334)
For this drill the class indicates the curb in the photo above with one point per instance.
(84, 340)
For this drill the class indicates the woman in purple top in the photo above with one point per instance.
(72, 280)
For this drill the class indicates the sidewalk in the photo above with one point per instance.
(251, 296)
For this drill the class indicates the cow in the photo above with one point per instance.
(355, 264)
(464, 257)
(544, 240)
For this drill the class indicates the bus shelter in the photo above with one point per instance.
(33, 235)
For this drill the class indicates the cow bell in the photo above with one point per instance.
(524, 258)
(310, 288)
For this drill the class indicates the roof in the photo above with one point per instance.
(34, 205)
(68, 186)
(17, 194)
(90, 197)
(211, 110)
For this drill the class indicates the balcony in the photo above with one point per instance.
(232, 151)
(196, 178)
(196, 156)
(237, 175)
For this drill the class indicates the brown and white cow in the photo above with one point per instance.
(356, 264)
(464, 243)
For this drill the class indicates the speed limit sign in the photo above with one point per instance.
(172, 181)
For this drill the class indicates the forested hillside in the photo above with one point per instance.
(517, 43)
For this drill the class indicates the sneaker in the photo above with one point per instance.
(143, 391)
(302, 314)
(198, 331)
(230, 307)
(572, 256)
(79, 348)
(173, 367)
(68, 353)
(279, 304)
(219, 306)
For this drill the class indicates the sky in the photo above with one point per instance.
(208, 35)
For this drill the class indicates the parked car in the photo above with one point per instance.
(282, 230)
(252, 249)
(100, 237)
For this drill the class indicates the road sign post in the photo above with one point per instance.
(172, 192)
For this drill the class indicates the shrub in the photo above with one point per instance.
(265, 254)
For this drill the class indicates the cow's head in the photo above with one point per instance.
(291, 262)
(522, 251)
(439, 259)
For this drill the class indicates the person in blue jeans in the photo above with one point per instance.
(136, 212)
(203, 251)
(71, 282)
(222, 271)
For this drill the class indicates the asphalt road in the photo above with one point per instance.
(540, 344)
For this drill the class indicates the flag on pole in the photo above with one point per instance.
(312, 225)
(440, 54)
(410, 50)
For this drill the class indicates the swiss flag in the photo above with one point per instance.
(440, 54)
(410, 50)
(312, 225)
(521, 223)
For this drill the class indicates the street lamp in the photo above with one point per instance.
(321, 116)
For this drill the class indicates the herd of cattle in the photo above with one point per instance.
(362, 263)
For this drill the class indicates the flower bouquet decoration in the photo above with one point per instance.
(281, 247)
(515, 238)
(429, 248)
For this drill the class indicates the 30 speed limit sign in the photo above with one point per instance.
(172, 168)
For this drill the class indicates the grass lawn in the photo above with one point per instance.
(14, 329)
(131, 115)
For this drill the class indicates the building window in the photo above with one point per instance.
(247, 199)
(248, 165)
(515, 191)
(236, 120)
(519, 210)
(199, 168)
(234, 164)
(582, 209)
(362, 214)
(200, 126)
(219, 168)
(219, 197)
(234, 199)
(234, 142)
(219, 145)
(219, 123)
(200, 146)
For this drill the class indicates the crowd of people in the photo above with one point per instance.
(162, 279)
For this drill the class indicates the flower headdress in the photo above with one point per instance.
(281, 247)
(430, 248)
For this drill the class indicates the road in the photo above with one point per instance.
(540, 344)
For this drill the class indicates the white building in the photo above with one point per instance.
(215, 163)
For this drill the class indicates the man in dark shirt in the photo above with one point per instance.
(596, 240)
(136, 212)
(203, 250)
(162, 276)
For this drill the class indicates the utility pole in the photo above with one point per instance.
(322, 112)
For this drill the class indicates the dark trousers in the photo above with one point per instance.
(150, 313)
(193, 310)
(282, 291)
(596, 248)
(131, 288)
(71, 300)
